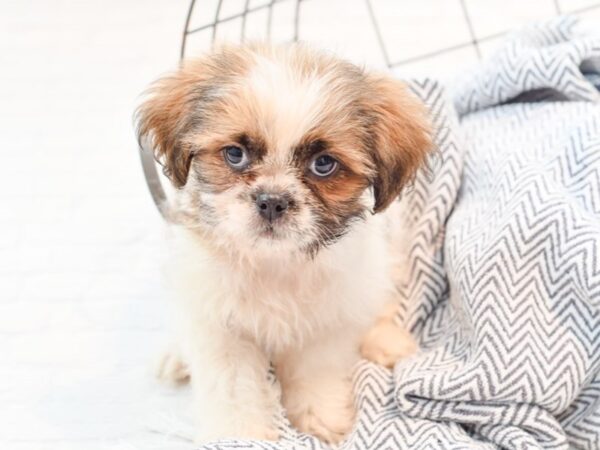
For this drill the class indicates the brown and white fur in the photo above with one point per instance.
(306, 291)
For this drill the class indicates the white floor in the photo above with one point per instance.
(82, 305)
(81, 309)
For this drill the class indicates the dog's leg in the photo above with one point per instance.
(317, 388)
(232, 394)
(171, 368)
(387, 342)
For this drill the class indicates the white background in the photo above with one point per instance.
(82, 305)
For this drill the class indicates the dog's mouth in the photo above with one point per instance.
(271, 231)
(275, 231)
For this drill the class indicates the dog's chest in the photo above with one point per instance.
(282, 303)
(286, 311)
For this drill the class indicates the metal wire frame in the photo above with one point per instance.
(146, 154)
(241, 15)
(473, 42)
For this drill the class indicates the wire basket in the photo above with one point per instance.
(249, 11)
(208, 21)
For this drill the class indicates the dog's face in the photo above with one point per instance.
(277, 147)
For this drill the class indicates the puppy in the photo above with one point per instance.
(284, 160)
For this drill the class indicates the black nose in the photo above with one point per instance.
(271, 206)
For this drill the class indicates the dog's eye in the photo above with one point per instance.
(235, 156)
(323, 165)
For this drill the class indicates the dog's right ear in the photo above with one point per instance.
(401, 135)
(166, 117)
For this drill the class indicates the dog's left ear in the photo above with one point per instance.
(400, 137)
(167, 114)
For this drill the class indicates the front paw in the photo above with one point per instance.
(325, 410)
(171, 368)
(386, 343)
(230, 428)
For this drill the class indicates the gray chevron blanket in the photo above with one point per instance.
(504, 287)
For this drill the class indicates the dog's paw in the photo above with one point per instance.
(211, 432)
(171, 368)
(386, 343)
(263, 433)
(331, 425)
(326, 413)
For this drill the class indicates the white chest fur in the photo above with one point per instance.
(283, 301)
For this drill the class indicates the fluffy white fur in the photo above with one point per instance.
(310, 318)
(247, 300)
